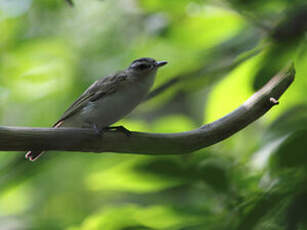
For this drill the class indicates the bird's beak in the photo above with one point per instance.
(161, 63)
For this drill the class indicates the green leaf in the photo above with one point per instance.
(230, 92)
(292, 151)
(253, 213)
(129, 216)
(37, 69)
(214, 173)
(289, 121)
(274, 59)
(124, 177)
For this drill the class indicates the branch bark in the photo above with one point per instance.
(86, 140)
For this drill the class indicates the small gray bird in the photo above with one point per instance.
(109, 99)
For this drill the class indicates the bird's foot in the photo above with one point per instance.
(120, 129)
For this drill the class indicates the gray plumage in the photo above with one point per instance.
(109, 99)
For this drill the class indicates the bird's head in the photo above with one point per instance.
(145, 65)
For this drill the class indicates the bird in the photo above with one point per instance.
(109, 99)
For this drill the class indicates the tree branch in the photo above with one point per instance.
(86, 140)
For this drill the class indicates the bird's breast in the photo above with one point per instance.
(113, 107)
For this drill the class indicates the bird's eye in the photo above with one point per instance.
(143, 66)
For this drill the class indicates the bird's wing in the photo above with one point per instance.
(97, 90)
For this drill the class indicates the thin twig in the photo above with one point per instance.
(70, 2)
(204, 71)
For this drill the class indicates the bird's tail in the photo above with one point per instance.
(33, 155)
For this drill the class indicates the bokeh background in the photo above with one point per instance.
(219, 53)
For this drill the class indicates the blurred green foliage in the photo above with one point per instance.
(219, 52)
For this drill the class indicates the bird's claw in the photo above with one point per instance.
(120, 129)
(98, 131)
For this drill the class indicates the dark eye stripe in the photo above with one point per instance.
(142, 66)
